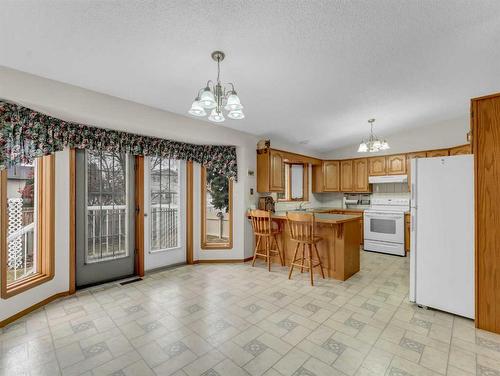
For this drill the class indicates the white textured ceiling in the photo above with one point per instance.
(305, 70)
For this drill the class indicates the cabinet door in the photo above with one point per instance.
(396, 164)
(409, 157)
(437, 153)
(376, 166)
(277, 172)
(331, 176)
(361, 175)
(459, 150)
(346, 176)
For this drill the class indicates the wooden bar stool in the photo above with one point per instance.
(262, 225)
(301, 228)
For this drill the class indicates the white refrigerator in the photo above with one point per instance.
(442, 234)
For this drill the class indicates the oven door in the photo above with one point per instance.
(385, 227)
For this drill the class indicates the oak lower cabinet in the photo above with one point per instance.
(437, 153)
(346, 176)
(360, 175)
(361, 222)
(270, 171)
(396, 164)
(326, 177)
(459, 150)
(485, 122)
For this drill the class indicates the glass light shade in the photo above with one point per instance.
(385, 146)
(233, 103)
(363, 148)
(196, 109)
(216, 117)
(376, 145)
(236, 115)
(207, 99)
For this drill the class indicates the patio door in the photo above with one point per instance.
(164, 209)
(104, 216)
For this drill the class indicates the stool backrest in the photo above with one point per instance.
(261, 222)
(301, 226)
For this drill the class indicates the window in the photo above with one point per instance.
(296, 183)
(27, 226)
(164, 203)
(216, 211)
(107, 209)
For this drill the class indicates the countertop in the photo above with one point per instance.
(323, 217)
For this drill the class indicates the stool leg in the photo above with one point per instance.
(268, 253)
(319, 260)
(256, 249)
(279, 251)
(293, 260)
(303, 257)
(309, 249)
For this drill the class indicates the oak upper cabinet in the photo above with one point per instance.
(326, 177)
(331, 175)
(437, 153)
(396, 164)
(346, 176)
(360, 177)
(270, 171)
(459, 150)
(409, 157)
(376, 166)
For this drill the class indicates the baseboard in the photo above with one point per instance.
(24, 312)
(222, 261)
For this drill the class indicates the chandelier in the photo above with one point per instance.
(373, 143)
(217, 96)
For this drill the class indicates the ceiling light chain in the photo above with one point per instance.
(217, 96)
(373, 143)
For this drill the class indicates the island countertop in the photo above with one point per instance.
(327, 218)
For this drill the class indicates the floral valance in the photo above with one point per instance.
(27, 134)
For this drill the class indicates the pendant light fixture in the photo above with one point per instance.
(373, 143)
(217, 96)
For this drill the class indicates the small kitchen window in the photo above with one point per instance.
(296, 183)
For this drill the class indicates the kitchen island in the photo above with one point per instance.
(339, 248)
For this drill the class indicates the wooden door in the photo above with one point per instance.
(346, 176)
(277, 172)
(361, 175)
(459, 150)
(409, 157)
(376, 166)
(331, 176)
(486, 148)
(437, 153)
(396, 164)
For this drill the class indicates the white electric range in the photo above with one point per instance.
(384, 225)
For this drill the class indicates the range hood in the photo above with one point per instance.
(388, 179)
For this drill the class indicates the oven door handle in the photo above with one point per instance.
(382, 217)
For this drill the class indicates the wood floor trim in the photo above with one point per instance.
(222, 261)
(34, 307)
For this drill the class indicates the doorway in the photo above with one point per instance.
(164, 212)
(104, 211)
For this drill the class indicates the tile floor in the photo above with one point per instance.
(232, 319)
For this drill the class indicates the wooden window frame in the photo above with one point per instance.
(45, 230)
(204, 244)
(288, 185)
